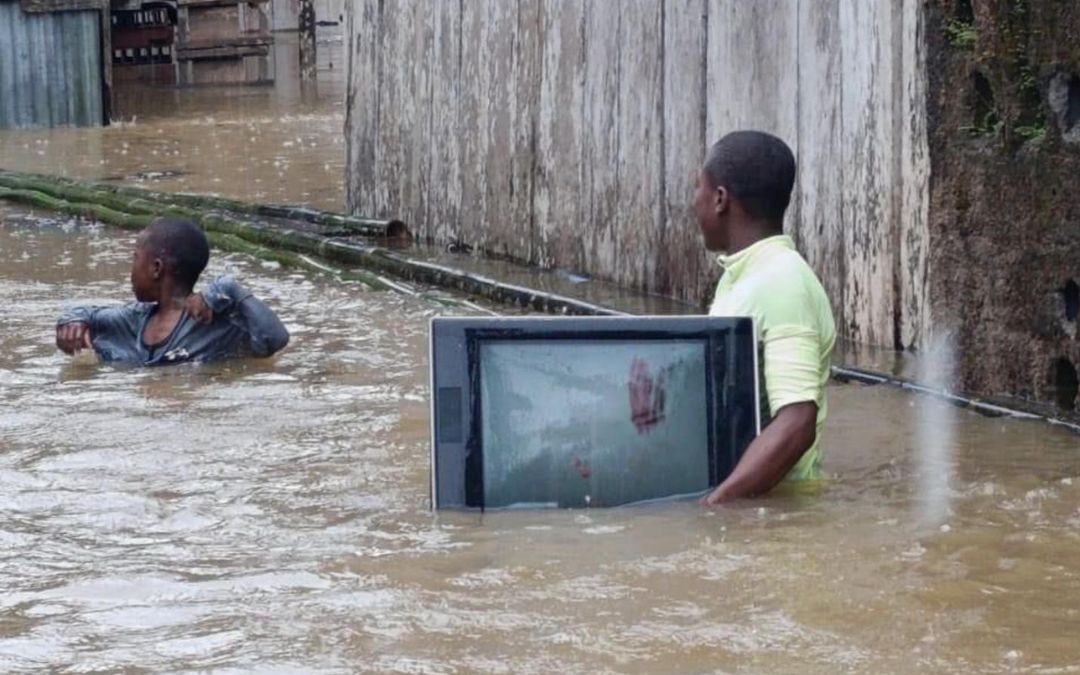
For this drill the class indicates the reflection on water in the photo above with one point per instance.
(273, 515)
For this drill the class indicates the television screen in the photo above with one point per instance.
(588, 411)
(599, 423)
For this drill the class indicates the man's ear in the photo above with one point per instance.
(157, 268)
(721, 200)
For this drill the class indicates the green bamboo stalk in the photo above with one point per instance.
(222, 240)
(121, 208)
(99, 212)
(229, 242)
(386, 262)
(67, 192)
(367, 227)
(142, 212)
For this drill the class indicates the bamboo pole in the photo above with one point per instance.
(219, 240)
(105, 214)
(367, 263)
(387, 262)
(365, 227)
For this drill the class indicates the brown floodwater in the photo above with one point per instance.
(271, 143)
(272, 516)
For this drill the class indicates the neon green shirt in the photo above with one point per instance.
(772, 283)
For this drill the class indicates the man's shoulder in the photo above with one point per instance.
(784, 270)
(136, 311)
(789, 291)
(105, 313)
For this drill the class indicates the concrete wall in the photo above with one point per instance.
(1004, 110)
(50, 68)
(567, 132)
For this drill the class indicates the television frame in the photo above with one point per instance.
(456, 438)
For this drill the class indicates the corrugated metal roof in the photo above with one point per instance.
(50, 68)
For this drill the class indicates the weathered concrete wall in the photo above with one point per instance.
(1004, 104)
(50, 67)
(567, 132)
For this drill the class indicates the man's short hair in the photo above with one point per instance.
(182, 245)
(757, 169)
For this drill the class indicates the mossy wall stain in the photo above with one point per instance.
(1005, 191)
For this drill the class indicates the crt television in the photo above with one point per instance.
(588, 411)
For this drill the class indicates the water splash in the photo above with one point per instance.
(935, 428)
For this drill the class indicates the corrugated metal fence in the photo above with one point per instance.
(50, 68)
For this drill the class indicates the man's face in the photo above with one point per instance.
(145, 272)
(709, 207)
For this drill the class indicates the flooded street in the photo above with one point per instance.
(273, 516)
(272, 143)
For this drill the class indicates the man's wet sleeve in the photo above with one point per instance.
(266, 333)
(223, 294)
(792, 366)
(78, 315)
(105, 322)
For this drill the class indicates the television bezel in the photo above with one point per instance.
(565, 327)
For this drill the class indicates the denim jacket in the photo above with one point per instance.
(242, 326)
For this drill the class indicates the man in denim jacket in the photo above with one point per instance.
(169, 322)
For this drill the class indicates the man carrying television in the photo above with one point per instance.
(742, 193)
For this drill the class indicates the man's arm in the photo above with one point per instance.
(266, 333)
(79, 327)
(793, 382)
(771, 455)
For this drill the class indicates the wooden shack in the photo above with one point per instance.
(143, 37)
(223, 42)
(55, 65)
(286, 14)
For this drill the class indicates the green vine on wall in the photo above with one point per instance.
(1032, 132)
(1029, 116)
(961, 34)
(1006, 96)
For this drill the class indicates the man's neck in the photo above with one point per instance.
(169, 308)
(169, 305)
(171, 297)
(748, 234)
(164, 319)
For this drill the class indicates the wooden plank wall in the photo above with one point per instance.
(821, 186)
(566, 133)
(560, 193)
(916, 326)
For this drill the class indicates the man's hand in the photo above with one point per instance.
(73, 337)
(196, 306)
